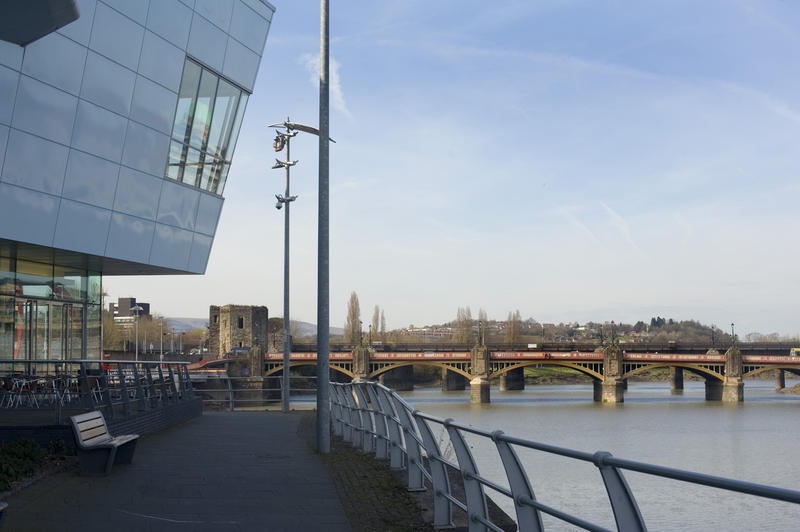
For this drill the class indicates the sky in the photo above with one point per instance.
(576, 160)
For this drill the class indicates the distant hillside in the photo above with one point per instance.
(187, 324)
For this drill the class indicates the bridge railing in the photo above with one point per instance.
(377, 420)
(119, 388)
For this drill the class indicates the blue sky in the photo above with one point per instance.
(575, 160)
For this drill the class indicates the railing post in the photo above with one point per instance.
(189, 386)
(368, 439)
(181, 383)
(230, 395)
(626, 511)
(163, 385)
(139, 390)
(413, 449)
(381, 421)
(173, 390)
(85, 389)
(347, 423)
(528, 517)
(336, 410)
(394, 430)
(151, 386)
(355, 416)
(104, 386)
(442, 507)
(400, 424)
(476, 498)
(126, 401)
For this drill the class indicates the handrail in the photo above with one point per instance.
(361, 418)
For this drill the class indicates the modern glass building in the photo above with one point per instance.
(117, 133)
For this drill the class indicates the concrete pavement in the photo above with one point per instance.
(221, 472)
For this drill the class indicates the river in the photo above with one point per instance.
(756, 441)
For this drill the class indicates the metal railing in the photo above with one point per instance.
(116, 387)
(222, 392)
(377, 420)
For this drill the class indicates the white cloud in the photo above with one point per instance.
(311, 63)
(620, 223)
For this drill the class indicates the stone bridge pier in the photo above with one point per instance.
(780, 380)
(733, 385)
(452, 381)
(612, 388)
(479, 385)
(675, 381)
(513, 380)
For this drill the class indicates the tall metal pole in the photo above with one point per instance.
(287, 338)
(137, 337)
(323, 264)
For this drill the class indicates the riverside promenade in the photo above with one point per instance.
(220, 472)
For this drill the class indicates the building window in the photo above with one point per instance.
(207, 121)
(240, 323)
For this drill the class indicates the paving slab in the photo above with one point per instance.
(237, 471)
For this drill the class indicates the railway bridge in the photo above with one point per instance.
(609, 366)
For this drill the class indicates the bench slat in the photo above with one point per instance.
(90, 424)
(93, 433)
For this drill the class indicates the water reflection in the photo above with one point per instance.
(755, 441)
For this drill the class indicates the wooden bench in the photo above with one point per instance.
(97, 449)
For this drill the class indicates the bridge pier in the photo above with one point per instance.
(479, 384)
(399, 379)
(713, 389)
(676, 381)
(733, 390)
(513, 380)
(613, 385)
(597, 390)
(452, 381)
(733, 386)
(479, 390)
(780, 380)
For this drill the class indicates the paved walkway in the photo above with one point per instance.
(221, 472)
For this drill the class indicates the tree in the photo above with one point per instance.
(352, 325)
(383, 327)
(483, 321)
(513, 327)
(463, 334)
(376, 320)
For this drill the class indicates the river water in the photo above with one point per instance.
(756, 441)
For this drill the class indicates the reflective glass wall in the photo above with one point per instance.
(207, 121)
(48, 312)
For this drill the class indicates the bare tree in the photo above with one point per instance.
(513, 327)
(383, 327)
(376, 320)
(463, 334)
(483, 321)
(352, 325)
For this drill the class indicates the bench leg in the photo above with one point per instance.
(97, 462)
(125, 453)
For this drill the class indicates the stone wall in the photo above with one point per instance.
(237, 326)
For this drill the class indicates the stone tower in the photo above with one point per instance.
(236, 326)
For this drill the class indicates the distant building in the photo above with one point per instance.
(232, 326)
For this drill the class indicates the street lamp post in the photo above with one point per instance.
(137, 309)
(283, 140)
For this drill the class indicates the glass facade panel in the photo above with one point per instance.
(225, 106)
(191, 166)
(93, 323)
(7, 328)
(186, 101)
(34, 279)
(207, 121)
(69, 284)
(7, 276)
(203, 108)
(94, 288)
(54, 311)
